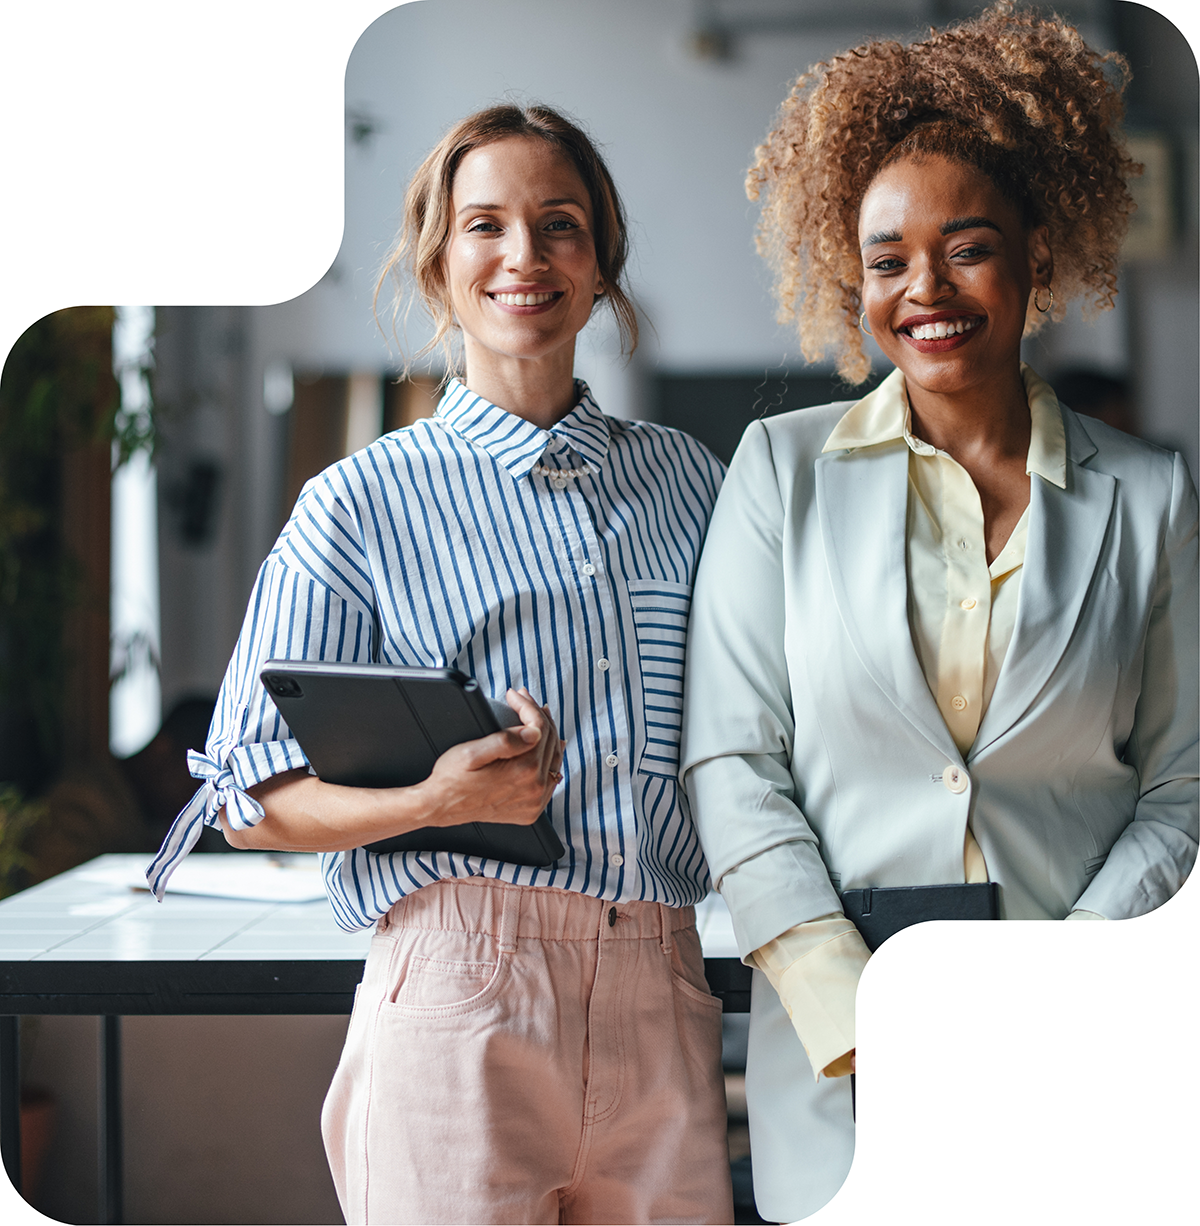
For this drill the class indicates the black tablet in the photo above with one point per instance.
(380, 725)
(879, 913)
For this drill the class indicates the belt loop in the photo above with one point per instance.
(664, 919)
(510, 914)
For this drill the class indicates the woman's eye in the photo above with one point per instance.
(972, 252)
(562, 223)
(887, 264)
(481, 227)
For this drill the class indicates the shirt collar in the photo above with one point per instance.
(883, 415)
(517, 444)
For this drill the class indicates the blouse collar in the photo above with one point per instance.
(517, 444)
(884, 415)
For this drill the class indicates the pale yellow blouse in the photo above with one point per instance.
(961, 612)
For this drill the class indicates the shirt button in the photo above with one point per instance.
(611, 760)
(969, 603)
(956, 780)
(588, 568)
(602, 664)
(559, 483)
(616, 860)
(958, 702)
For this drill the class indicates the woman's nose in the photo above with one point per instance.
(524, 251)
(929, 282)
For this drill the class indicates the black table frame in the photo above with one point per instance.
(113, 989)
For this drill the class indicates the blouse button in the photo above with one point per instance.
(602, 664)
(559, 483)
(969, 603)
(616, 860)
(611, 760)
(958, 702)
(588, 568)
(956, 780)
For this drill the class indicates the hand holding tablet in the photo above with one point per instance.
(380, 726)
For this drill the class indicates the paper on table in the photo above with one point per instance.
(249, 876)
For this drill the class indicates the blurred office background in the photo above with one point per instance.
(249, 402)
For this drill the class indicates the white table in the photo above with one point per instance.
(86, 943)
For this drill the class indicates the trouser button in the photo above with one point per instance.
(612, 917)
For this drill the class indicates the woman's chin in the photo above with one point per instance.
(947, 374)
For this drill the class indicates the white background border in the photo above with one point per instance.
(167, 153)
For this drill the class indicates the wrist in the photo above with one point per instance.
(420, 804)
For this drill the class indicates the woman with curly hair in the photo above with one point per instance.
(945, 634)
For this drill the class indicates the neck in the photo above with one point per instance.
(991, 420)
(542, 391)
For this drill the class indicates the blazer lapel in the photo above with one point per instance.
(862, 502)
(1067, 529)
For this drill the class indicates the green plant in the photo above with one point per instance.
(18, 817)
(57, 395)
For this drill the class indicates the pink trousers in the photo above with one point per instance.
(530, 1055)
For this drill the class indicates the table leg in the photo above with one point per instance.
(111, 1181)
(10, 1096)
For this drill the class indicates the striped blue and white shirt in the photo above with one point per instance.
(438, 545)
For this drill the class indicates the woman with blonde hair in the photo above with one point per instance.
(946, 633)
(528, 1044)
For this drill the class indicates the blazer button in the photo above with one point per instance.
(956, 779)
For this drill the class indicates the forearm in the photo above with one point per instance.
(303, 813)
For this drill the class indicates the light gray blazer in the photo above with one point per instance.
(814, 752)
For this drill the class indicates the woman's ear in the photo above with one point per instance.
(1041, 258)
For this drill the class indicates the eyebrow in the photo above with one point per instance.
(968, 223)
(546, 204)
(953, 226)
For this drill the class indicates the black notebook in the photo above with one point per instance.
(380, 725)
(878, 913)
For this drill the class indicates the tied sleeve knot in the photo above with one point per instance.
(220, 790)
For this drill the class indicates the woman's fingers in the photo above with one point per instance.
(496, 746)
(508, 776)
(523, 703)
(539, 717)
(547, 747)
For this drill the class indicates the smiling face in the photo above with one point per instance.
(520, 265)
(947, 273)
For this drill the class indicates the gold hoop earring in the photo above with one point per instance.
(1043, 309)
(862, 324)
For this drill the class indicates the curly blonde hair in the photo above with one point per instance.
(1020, 97)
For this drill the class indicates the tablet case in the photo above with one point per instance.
(878, 913)
(381, 725)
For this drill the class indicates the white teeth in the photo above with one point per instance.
(523, 299)
(941, 329)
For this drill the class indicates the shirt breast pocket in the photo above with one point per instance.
(660, 615)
